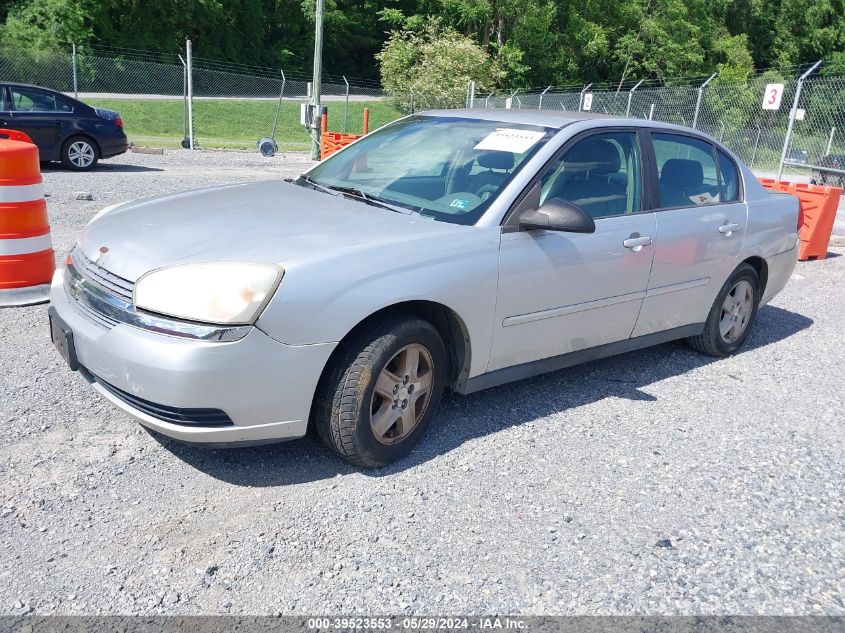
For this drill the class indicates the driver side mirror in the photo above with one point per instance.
(557, 215)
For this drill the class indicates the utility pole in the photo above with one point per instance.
(315, 81)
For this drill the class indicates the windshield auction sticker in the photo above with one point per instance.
(509, 140)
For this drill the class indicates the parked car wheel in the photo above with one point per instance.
(79, 153)
(732, 314)
(378, 399)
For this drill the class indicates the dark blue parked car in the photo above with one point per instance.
(63, 128)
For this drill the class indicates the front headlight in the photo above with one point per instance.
(226, 293)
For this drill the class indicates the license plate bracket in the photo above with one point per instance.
(62, 337)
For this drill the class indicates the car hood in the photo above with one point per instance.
(272, 221)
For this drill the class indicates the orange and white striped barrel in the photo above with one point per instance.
(26, 253)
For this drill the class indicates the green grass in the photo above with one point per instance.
(234, 123)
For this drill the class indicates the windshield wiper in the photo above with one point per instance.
(317, 185)
(355, 192)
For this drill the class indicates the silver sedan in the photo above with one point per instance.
(451, 249)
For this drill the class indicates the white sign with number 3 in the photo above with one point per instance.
(772, 96)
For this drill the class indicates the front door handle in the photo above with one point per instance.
(728, 229)
(636, 242)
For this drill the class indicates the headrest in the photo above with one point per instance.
(679, 172)
(598, 156)
(495, 160)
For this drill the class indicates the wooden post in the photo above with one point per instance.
(324, 123)
(366, 120)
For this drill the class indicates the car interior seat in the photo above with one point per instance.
(682, 183)
(587, 179)
(496, 168)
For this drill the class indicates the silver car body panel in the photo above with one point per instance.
(526, 301)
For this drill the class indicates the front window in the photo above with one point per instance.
(447, 168)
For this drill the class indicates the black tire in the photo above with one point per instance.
(345, 397)
(73, 160)
(711, 341)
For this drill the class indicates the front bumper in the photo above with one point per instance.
(264, 387)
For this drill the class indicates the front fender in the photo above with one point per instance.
(324, 298)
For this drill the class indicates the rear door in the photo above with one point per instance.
(700, 223)
(39, 114)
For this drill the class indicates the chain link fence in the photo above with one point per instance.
(234, 105)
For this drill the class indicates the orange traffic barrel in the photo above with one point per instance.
(26, 252)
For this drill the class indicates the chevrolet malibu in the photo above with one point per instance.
(451, 249)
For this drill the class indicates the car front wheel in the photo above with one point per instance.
(377, 400)
(79, 154)
(732, 314)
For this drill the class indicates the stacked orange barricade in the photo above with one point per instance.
(818, 212)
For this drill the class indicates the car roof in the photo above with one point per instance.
(22, 85)
(545, 118)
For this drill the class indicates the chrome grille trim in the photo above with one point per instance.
(119, 286)
(106, 309)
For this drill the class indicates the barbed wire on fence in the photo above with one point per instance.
(235, 104)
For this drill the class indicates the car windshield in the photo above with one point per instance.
(447, 168)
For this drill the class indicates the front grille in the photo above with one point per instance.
(174, 415)
(103, 320)
(98, 275)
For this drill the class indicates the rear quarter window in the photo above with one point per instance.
(728, 178)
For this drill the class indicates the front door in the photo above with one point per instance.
(563, 292)
(700, 224)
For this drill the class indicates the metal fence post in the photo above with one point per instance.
(651, 112)
(630, 96)
(346, 106)
(73, 62)
(829, 141)
(698, 101)
(756, 143)
(185, 141)
(487, 99)
(542, 94)
(581, 98)
(189, 71)
(792, 112)
(472, 94)
(279, 106)
(411, 101)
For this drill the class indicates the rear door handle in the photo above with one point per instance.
(636, 243)
(728, 229)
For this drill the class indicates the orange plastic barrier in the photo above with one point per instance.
(330, 142)
(26, 253)
(816, 217)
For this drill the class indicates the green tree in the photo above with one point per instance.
(434, 64)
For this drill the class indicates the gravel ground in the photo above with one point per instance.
(656, 482)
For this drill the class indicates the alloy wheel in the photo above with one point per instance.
(402, 394)
(81, 154)
(736, 311)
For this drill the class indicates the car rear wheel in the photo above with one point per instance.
(79, 153)
(731, 316)
(377, 400)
